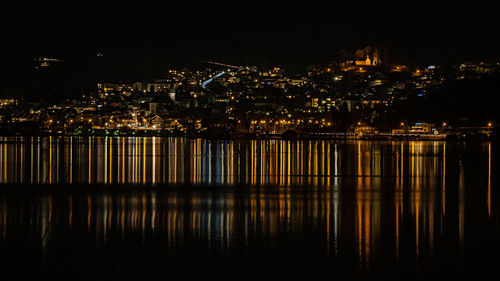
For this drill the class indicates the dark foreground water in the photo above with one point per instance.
(169, 208)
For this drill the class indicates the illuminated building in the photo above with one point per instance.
(45, 62)
(366, 62)
(421, 128)
(7, 102)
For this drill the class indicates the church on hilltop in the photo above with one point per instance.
(368, 62)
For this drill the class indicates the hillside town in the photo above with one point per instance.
(359, 96)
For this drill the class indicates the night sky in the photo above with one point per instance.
(146, 37)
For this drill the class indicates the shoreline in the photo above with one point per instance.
(303, 136)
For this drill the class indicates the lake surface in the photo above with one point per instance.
(105, 208)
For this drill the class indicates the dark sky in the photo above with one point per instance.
(143, 36)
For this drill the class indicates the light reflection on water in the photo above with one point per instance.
(146, 160)
(403, 203)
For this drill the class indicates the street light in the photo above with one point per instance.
(443, 129)
(490, 125)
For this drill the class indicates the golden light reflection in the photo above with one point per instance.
(143, 160)
(416, 170)
(461, 204)
(360, 214)
(489, 180)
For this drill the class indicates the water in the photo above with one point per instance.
(159, 208)
(177, 160)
